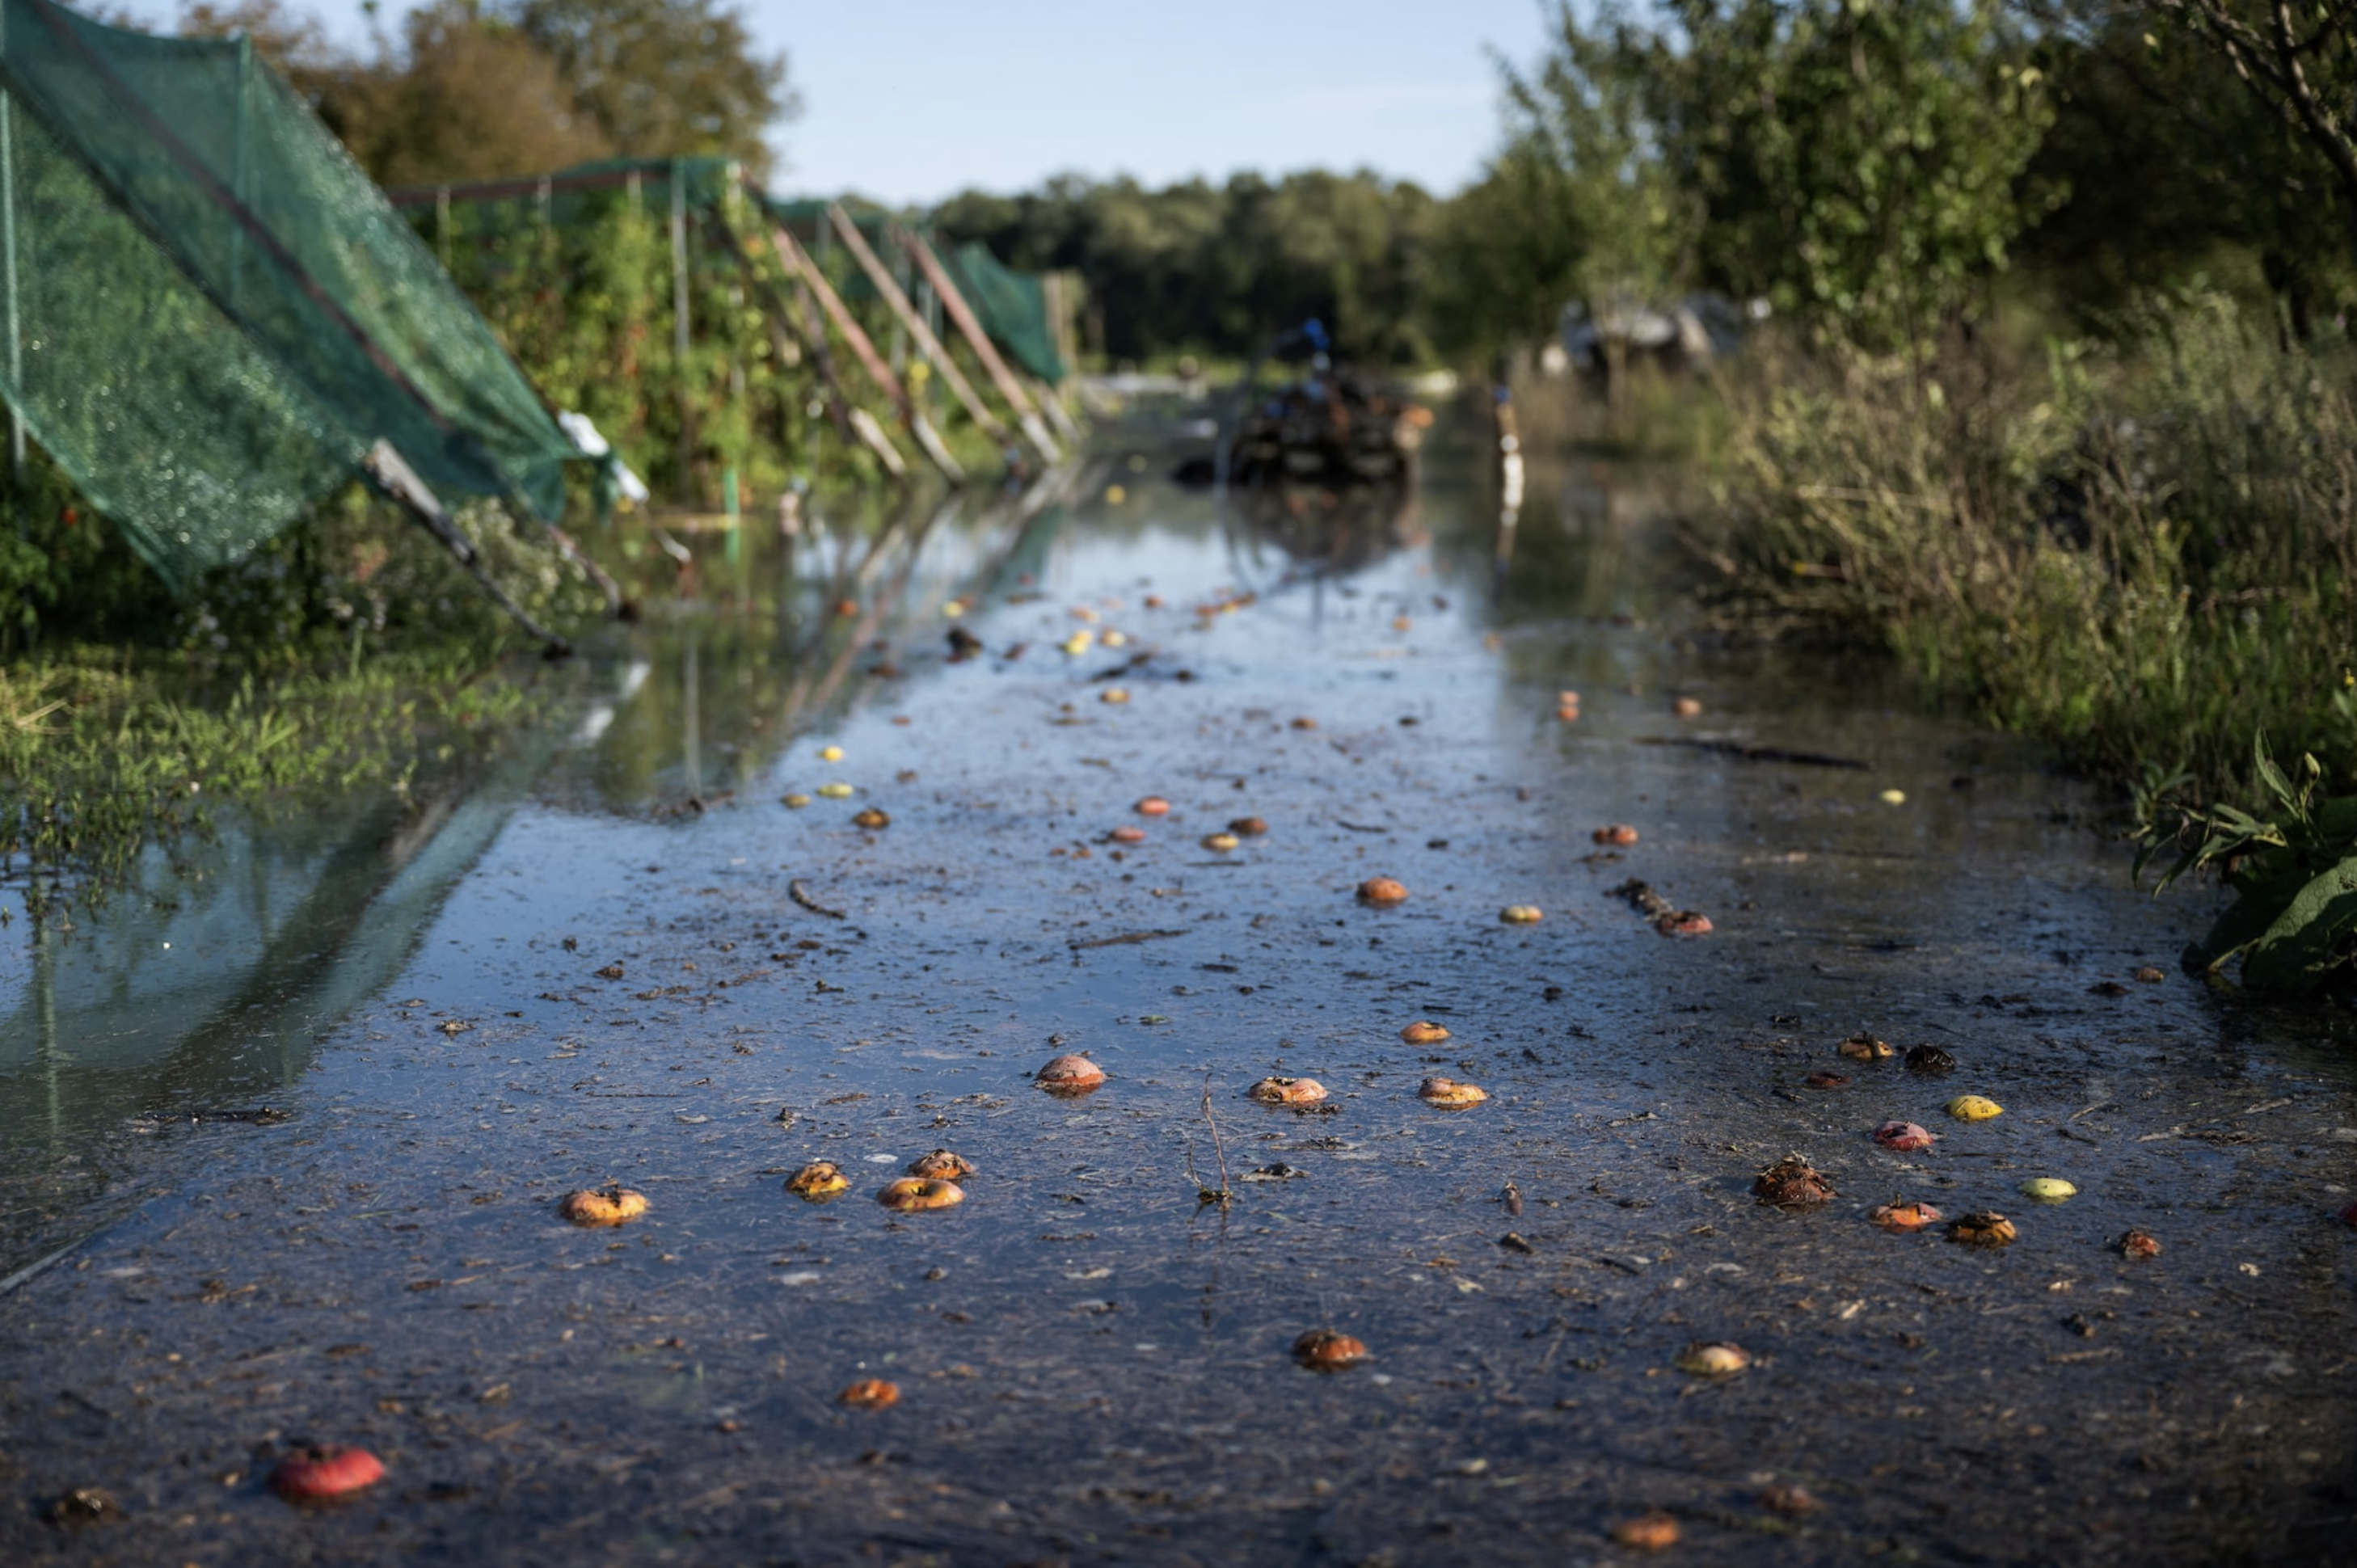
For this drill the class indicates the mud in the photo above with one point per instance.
(635, 965)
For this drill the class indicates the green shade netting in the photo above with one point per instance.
(209, 314)
(704, 181)
(564, 195)
(1011, 306)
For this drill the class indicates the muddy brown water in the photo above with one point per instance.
(1093, 1365)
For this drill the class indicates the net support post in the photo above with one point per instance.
(1035, 429)
(799, 264)
(391, 476)
(911, 322)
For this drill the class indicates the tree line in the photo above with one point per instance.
(1883, 168)
(1877, 167)
(482, 89)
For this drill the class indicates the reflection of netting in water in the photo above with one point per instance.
(211, 314)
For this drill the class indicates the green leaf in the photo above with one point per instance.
(2336, 822)
(2304, 941)
(2258, 906)
(2270, 774)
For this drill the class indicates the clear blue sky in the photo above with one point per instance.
(910, 101)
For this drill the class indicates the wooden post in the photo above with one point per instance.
(1057, 414)
(1056, 297)
(1058, 287)
(1034, 430)
(854, 421)
(872, 435)
(393, 477)
(906, 314)
(811, 328)
(799, 314)
(798, 263)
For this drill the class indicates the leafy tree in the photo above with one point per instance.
(663, 78)
(330, 79)
(477, 89)
(1218, 268)
(1858, 162)
(1580, 204)
(475, 99)
(2172, 172)
(2299, 63)
(1508, 251)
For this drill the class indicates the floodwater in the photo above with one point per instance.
(620, 956)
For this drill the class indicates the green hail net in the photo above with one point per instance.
(209, 315)
(486, 208)
(1011, 306)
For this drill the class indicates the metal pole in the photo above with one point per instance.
(679, 327)
(691, 725)
(239, 182)
(8, 266)
(15, 322)
(45, 1001)
(734, 198)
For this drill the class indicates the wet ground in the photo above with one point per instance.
(622, 958)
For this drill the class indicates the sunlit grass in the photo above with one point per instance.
(98, 756)
(2144, 554)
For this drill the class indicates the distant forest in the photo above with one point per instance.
(1887, 167)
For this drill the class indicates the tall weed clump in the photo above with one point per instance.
(2143, 552)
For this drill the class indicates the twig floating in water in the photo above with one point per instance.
(1743, 753)
(1667, 918)
(1222, 1194)
(801, 895)
(1125, 940)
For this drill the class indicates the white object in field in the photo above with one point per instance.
(583, 434)
(591, 444)
(871, 434)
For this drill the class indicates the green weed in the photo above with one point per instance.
(2140, 552)
(351, 654)
(2293, 870)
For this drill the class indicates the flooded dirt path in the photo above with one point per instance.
(639, 966)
